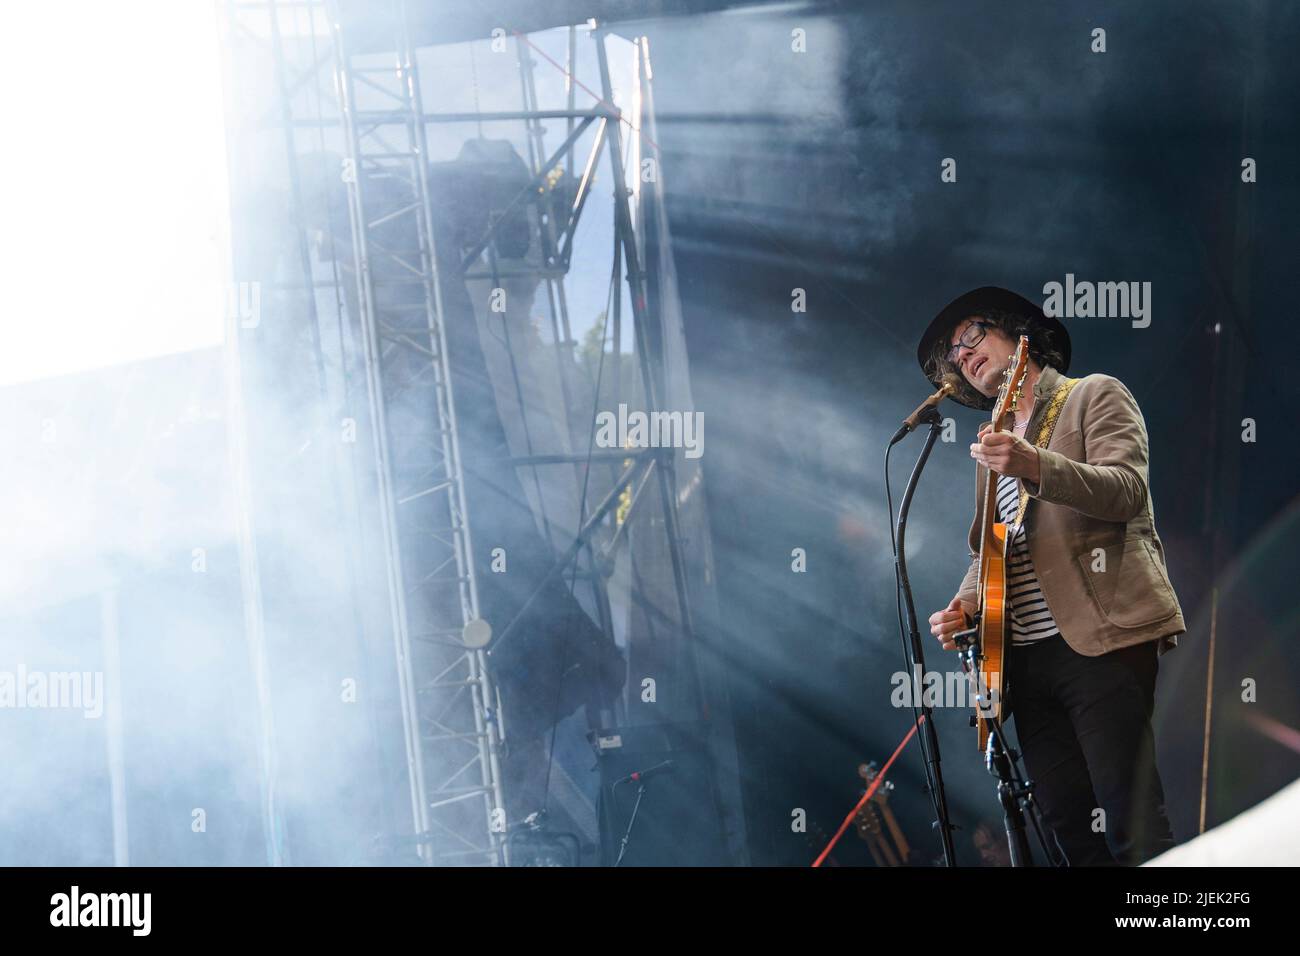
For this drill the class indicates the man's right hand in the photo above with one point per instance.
(944, 624)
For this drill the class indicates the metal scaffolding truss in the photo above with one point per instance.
(448, 704)
(451, 714)
(446, 693)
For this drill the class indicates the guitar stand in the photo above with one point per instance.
(1015, 793)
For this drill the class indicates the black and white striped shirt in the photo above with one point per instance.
(1030, 619)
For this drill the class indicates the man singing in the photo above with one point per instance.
(1090, 606)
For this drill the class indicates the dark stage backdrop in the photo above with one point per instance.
(820, 171)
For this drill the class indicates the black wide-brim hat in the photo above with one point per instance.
(976, 302)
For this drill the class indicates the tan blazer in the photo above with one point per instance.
(1091, 527)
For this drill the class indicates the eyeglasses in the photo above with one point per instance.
(970, 338)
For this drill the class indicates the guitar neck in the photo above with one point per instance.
(989, 498)
(1008, 396)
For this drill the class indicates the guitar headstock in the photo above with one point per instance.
(1013, 382)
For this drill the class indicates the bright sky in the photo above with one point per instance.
(114, 222)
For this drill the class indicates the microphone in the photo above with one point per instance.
(666, 767)
(948, 387)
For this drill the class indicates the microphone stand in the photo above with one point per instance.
(627, 834)
(1014, 794)
(930, 737)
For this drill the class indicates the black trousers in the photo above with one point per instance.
(1084, 728)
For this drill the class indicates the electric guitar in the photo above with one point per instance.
(989, 649)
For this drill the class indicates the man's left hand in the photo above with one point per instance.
(1006, 454)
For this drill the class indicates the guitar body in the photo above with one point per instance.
(993, 629)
